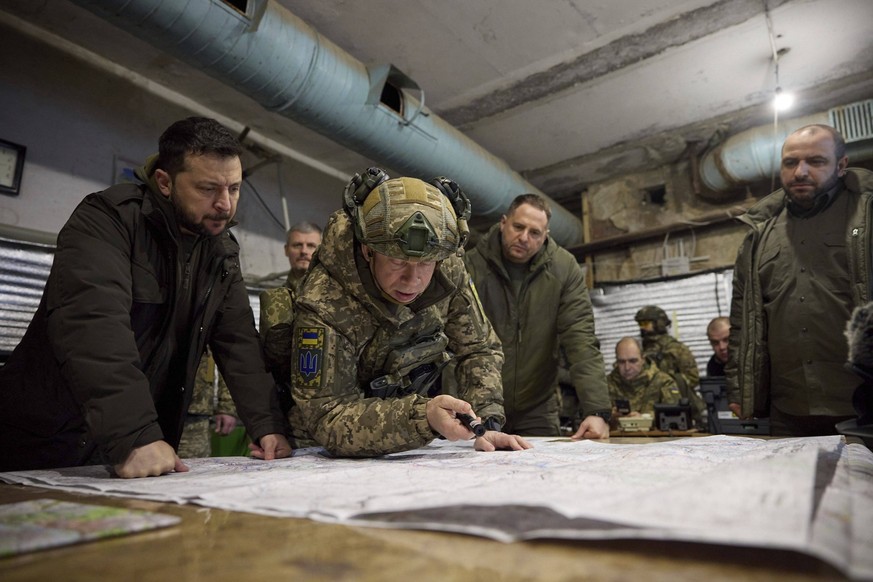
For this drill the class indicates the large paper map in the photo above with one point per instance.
(813, 495)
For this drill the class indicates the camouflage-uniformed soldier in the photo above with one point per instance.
(386, 304)
(638, 380)
(196, 440)
(277, 305)
(670, 355)
(304, 239)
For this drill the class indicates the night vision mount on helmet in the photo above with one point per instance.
(407, 218)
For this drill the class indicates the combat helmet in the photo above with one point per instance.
(656, 315)
(407, 218)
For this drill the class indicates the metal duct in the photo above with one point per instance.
(756, 153)
(750, 155)
(278, 60)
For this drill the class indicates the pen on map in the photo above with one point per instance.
(472, 423)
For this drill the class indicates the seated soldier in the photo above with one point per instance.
(671, 356)
(638, 381)
(387, 303)
(717, 332)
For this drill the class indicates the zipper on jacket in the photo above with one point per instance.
(199, 318)
(186, 277)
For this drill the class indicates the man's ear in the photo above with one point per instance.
(164, 182)
(842, 164)
(365, 251)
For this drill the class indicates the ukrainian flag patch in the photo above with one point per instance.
(310, 358)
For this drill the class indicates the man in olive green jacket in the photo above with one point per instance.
(534, 294)
(801, 270)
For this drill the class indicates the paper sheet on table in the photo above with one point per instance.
(812, 495)
(38, 524)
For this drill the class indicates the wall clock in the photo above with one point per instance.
(11, 167)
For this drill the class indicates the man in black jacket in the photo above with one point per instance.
(144, 278)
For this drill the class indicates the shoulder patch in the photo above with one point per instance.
(310, 359)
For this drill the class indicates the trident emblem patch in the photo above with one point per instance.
(310, 349)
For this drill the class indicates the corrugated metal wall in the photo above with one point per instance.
(24, 268)
(690, 302)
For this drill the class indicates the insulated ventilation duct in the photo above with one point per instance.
(265, 52)
(755, 154)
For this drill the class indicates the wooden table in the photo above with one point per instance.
(213, 545)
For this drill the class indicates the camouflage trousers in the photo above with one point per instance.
(196, 437)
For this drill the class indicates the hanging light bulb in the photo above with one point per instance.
(782, 101)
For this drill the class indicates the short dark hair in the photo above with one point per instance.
(719, 321)
(197, 136)
(839, 142)
(534, 200)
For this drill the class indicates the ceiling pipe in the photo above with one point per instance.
(756, 154)
(750, 155)
(275, 58)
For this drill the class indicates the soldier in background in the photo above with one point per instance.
(277, 306)
(671, 356)
(718, 332)
(303, 240)
(196, 438)
(638, 381)
(387, 303)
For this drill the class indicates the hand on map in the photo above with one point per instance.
(494, 440)
(151, 460)
(592, 427)
(441, 414)
(272, 446)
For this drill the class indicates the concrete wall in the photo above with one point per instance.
(623, 206)
(81, 125)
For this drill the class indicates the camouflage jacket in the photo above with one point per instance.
(672, 357)
(651, 387)
(275, 323)
(203, 401)
(344, 333)
(293, 281)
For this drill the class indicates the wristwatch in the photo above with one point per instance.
(491, 423)
(604, 414)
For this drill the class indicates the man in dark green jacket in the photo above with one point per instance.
(534, 294)
(803, 267)
(144, 278)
